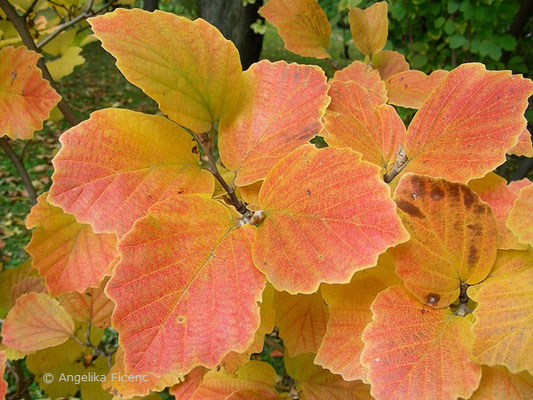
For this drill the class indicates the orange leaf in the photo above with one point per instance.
(453, 238)
(364, 75)
(109, 172)
(281, 108)
(317, 231)
(26, 99)
(91, 306)
(369, 27)
(185, 390)
(414, 351)
(36, 322)
(316, 383)
(250, 193)
(68, 255)
(9, 279)
(252, 376)
(3, 383)
(302, 24)
(185, 290)
(124, 388)
(494, 190)
(356, 118)
(469, 122)
(503, 330)
(233, 360)
(388, 63)
(254, 395)
(498, 384)
(349, 307)
(301, 320)
(524, 146)
(30, 284)
(412, 88)
(189, 68)
(521, 215)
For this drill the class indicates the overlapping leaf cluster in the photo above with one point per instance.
(394, 263)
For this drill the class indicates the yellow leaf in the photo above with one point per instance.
(369, 27)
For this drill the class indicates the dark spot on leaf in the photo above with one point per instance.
(437, 193)
(401, 79)
(432, 299)
(405, 86)
(409, 208)
(181, 319)
(423, 310)
(468, 197)
(308, 192)
(477, 229)
(480, 209)
(473, 255)
(453, 189)
(418, 184)
(13, 76)
(180, 191)
(195, 150)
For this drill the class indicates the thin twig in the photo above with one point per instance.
(334, 64)
(30, 9)
(84, 15)
(272, 343)
(205, 142)
(26, 180)
(22, 29)
(399, 165)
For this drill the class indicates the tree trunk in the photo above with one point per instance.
(234, 20)
(151, 5)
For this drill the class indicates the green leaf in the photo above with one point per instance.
(507, 42)
(452, 6)
(457, 41)
(439, 22)
(419, 61)
(449, 27)
(491, 49)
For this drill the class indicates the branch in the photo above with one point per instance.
(22, 29)
(272, 343)
(30, 9)
(84, 15)
(205, 142)
(26, 180)
(399, 165)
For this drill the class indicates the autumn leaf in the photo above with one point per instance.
(388, 63)
(357, 118)
(185, 290)
(302, 24)
(301, 320)
(64, 65)
(185, 389)
(189, 68)
(316, 383)
(281, 108)
(36, 322)
(416, 351)
(494, 190)
(453, 238)
(234, 360)
(68, 255)
(460, 136)
(9, 279)
(92, 306)
(252, 376)
(26, 99)
(126, 389)
(411, 88)
(323, 232)
(349, 307)
(521, 215)
(524, 146)
(497, 384)
(364, 75)
(109, 172)
(503, 329)
(369, 27)
(30, 284)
